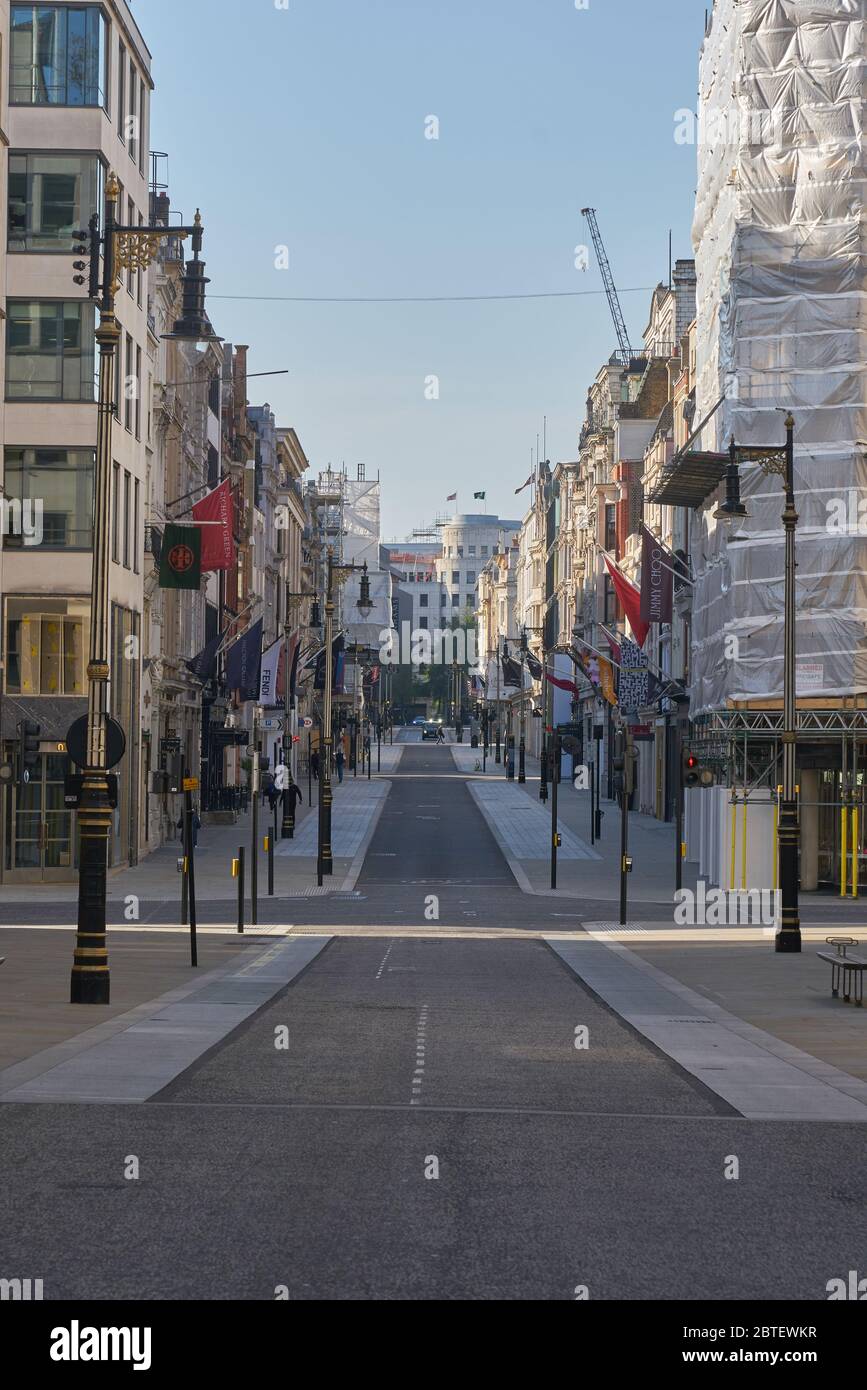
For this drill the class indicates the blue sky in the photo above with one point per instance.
(305, 128)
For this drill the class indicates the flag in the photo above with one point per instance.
(657, 579)
(479, 496)
(244, 662)
(606, 680)
(633, 678)
(563, 683)
(613, 644)
(218, 543)
(511, 671)
(204, 666)
(526, 484)
(294, 656)
(338, 657)
(181, 557)
(452, 497)
(630, 600)
(534, 666)
(272, 661)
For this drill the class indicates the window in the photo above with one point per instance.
(611, 527)
(456, 601)
(472, 550)
(130, 222)
(471, 576)
(127, 517)
(118, 373)
(58, 486)
(456, 578)
(121, 90)
(127, 384)
(422, 622)
(51, 197)
(136, 526)
(115, 513)
(58, 55)
(50, 351)
(46, 651)
(138, 393)
(484, 550)
(460, 550)
(133, 111)
(142, 146)
(422, 600)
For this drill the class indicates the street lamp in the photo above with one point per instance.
(325, 859)
(121, 248)
(780, 461)
(522, 748)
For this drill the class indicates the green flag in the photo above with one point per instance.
(181, 557)
(480, 496)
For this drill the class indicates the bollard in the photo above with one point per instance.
(238, 871)
(269, 850)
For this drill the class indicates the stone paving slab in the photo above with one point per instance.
(522, 827)
(165, 1039)
(361, 804)
(761, 1076)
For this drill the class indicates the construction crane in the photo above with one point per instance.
(610, 287)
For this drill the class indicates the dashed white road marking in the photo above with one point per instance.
(418, 1074)
(385, 958)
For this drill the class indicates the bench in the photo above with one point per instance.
(845, 969)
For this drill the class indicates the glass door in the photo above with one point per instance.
(41, 832)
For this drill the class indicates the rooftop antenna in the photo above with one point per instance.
(669, 258)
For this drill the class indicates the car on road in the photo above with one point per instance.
(429, 730)
(419, 719)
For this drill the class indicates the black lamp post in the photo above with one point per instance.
(782, 462)
(119, 248)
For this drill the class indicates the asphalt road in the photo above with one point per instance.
(429, 1130)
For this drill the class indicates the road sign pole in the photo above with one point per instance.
(190, 868)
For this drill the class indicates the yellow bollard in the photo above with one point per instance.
(854, 851)
(235, 866)
(844, 835)
(776, 854)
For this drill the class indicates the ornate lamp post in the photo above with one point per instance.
(119, 248)
(780, 461)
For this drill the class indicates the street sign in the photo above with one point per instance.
(191, 784)
(271, 723)
(115, 742)
(306, 723)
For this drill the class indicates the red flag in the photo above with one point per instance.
(218, 543)
(630, 599)
(562, 683)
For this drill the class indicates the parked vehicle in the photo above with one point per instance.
(429, 730)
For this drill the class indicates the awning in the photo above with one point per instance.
(689, 479)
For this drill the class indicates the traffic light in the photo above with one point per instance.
(694, 774)
(89, 245)
(28, 738)
(622, 763)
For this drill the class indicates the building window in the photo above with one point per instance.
(115, 513)
(121, 90)
(142, 145)
(138, 393)
(55, 489)
(472, 550)
(136, 526)
(471, 576)
(130, 222)
(456, 578)
(133, 111)
(422, 622)
(456, 600)
(127, 517)
(128, 384)
(611, 527)
(50, 350)
(50, 198)
(422, 600)
(46, 652)
(58, 55)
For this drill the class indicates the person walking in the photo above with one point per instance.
(314, 764)
(197, 825)
(441, 734)
(339, 762)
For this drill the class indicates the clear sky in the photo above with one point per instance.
(305, 127)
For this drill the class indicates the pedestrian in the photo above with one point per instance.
(294, 795)
(314, 764)
(339, 762)
(197, 825)
(267, 787)
(441, 734)
(273, 796)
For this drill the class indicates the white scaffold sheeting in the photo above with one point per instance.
(782, 324)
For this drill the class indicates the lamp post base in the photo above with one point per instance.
(788, 942)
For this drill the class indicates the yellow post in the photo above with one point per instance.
(734, 834)
(844, 835)
(744, 844)
(854, 851)
(776, 854)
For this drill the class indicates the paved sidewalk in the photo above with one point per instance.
(356, 809)
(593, 873)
